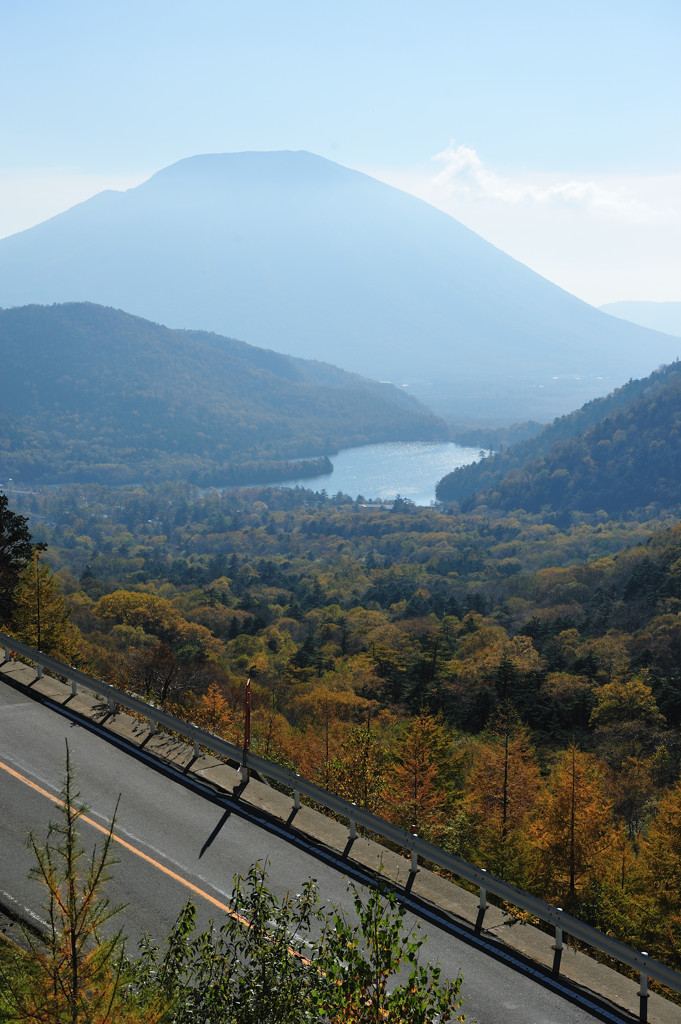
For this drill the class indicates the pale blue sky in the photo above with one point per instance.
(552, 129)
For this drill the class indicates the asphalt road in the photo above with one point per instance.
(180, 842)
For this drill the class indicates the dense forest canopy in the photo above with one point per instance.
(616, 453)
(629, 460)
(502, 678)
(500, 674)
(94, 394)
(506, 684)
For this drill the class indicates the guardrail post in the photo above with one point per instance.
(353, 827)
(482, 906)
(39, 671)
(7, 653)
(557, 947)
(112, 705)
(414, 858)
(152, 726)
(74, 688)
(296, 796)
(643, 996)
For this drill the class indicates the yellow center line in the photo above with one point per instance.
(144, 856)
(133, 849)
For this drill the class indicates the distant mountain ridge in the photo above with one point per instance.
(659, 316)
(290, 251)
(95, 394)
(619, 454)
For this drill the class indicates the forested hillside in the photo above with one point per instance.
(507, 687)
(617, 453)
(94, 394)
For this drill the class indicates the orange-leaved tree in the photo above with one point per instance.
(572, 829)
(211, 711)
(417, 797)
(501, 793)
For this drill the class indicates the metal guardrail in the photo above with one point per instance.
(562, 923)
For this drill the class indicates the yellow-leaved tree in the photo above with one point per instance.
(359, 771)
(40, 617)
(662, 858)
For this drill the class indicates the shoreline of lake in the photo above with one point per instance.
(408, 469)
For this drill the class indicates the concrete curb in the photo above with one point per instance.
(461, 905)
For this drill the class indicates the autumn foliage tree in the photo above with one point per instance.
(156, 619)
(326, 714)
(626, 720)
(416, 797)
(662, 855)
(359, 771)
(501, 792)
(212, 712)
(40, 617)
(572, 829)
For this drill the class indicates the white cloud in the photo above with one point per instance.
(602, 238)
(643, 200)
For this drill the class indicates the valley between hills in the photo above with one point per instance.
(499, 673)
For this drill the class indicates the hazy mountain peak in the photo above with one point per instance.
(277, 167)
(293, 252)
